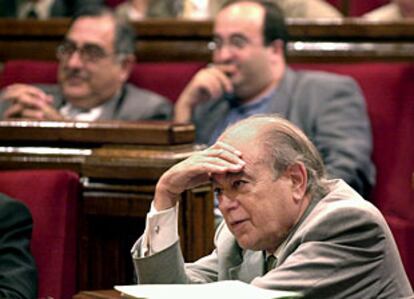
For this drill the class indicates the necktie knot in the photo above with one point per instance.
(270, 263)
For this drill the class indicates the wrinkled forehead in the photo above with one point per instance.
(98, 30)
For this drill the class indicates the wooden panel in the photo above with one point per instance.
(111, 132)
(185, 40)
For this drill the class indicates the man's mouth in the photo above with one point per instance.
(237, 224)
(75, 79)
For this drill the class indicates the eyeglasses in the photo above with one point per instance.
(235, 43)
(87, 53)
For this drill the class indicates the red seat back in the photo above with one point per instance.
(52, 198)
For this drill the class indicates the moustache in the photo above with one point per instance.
(76, 74)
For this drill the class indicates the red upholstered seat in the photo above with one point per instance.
(51, 196)
(166, 78)
(28, 71)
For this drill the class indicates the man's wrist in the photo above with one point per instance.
(164, 199)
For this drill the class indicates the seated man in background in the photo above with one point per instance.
(396, 10)
(323, 238)
(95, 61)
(18, 274)
(249, 75)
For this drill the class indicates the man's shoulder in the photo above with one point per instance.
(133, 91)
(315, 85)
(10, 206)
(322, 77)
(344, 205)
(139, 104)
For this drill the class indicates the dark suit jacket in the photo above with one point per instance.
(342, 247)
(134, 104)
(330, 109)
(18, 275)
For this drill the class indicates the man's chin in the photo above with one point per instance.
(70, 92)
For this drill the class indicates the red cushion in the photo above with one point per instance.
(165, 78)
(51, 196)
(29, 72)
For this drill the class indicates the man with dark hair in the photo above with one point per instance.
(249, 75)
(18, 274)
(95, 60)
(286, 226)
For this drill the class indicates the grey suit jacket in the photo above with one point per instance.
(341, 248)
(134, 104)
(330, 109)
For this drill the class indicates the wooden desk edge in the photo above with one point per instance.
(101, 294)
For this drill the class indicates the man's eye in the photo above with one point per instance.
(238, 42)
(94, 51)
(238, 184)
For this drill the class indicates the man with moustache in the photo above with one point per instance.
(95, 60)
(249, 75)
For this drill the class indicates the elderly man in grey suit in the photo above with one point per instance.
(249, 75)
(95, 60)
(325, 240)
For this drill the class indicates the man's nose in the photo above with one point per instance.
(224, 54)
(74, 60)
(228, 202)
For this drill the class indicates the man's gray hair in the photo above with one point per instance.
(286, 145)
(124, 42)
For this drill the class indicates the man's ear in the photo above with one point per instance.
(127, 64)
(277, 50)
(299, 178)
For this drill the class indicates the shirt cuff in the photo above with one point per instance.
(161, 230)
